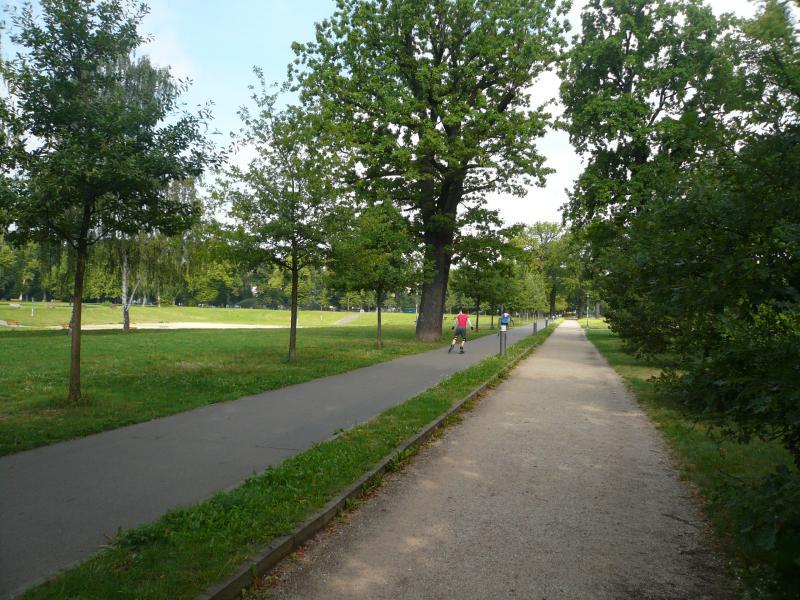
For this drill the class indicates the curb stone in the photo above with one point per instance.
(263, 562)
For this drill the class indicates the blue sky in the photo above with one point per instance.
(217, 43)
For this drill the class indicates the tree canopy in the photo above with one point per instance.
(95, 133)
(432, 101)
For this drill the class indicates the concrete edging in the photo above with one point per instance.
(271, 555)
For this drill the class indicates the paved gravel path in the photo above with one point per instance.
(555, 486)
(60, 503)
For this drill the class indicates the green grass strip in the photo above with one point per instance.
(716, 467)
(187, 550)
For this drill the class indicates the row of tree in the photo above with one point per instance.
(690, 205)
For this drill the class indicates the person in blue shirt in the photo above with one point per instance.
(505, 319)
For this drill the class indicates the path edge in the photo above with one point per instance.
(266, 559)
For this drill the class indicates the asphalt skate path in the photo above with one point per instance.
(555, 486)
(59, 504)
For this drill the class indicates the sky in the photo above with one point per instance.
(217, 43)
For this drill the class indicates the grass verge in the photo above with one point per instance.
(187, 550)
(721, 470)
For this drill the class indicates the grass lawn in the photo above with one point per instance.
(147, 374)
(187, 550)
(715, 467)
(56, 314)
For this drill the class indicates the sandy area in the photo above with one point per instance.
(177, 325)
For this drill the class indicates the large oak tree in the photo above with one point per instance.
(433, 100)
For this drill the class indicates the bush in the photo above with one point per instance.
(768, 514)
(746, 381)
(251, 303)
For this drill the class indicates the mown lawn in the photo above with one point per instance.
(146, 374)
(718, 468)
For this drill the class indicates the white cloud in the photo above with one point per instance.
(164, 47)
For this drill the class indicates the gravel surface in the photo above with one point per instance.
(555, 486)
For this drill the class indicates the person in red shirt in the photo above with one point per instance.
(460, 325)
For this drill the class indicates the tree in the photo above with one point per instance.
(432, 99)
(211, 281)
(90, 141)
(690, 200)
(485, 270)
(281, 202)
(644, 90)
(374, 254)
(549, 251)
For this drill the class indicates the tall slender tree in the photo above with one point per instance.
(282, 201)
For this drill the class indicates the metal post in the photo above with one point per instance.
(587, 311)
(502, 334)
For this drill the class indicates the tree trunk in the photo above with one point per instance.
(491, 323)
(293, 324)
(126, 318)
(434, 289)
(477, 312)
(552, 301)
(379, 298)
(75, 347)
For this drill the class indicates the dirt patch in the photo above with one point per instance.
(177, 325)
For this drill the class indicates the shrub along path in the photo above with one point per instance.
(555, 486)
(62, 502)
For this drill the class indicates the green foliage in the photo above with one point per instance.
(486, 270)
(375, 253)
(768, 516)
(431, 101)
(691, 199)
(211, 282)
(550, 265)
